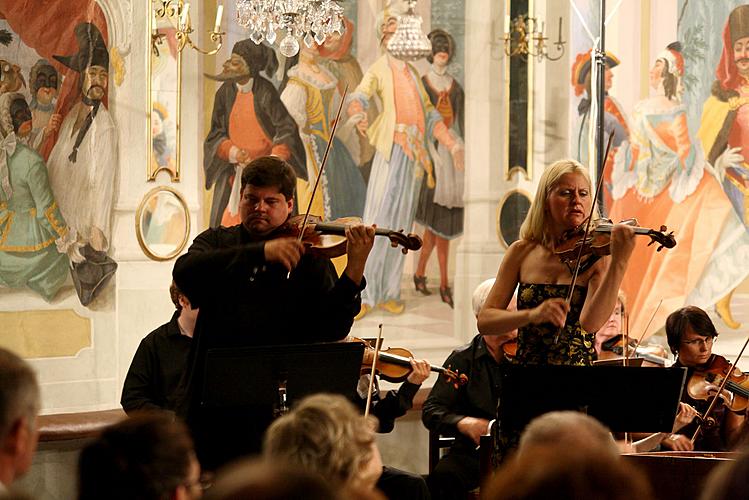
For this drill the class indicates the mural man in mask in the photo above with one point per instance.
(249, 121)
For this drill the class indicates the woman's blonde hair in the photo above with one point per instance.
(536, 224)
(324, 434)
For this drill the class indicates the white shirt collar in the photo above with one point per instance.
(247, 87)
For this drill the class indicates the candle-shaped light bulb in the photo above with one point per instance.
(219, 15)
(507, 23)
(183, 18)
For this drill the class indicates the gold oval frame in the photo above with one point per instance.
(499, 209)
(139, 213)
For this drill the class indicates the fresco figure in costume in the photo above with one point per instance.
(336, 55)
(82, 164)
(400, 135)
(312, 97)
(249, 120)
(724, 127)
(44, 82)
(34, 238)
(614, 118)
(660, 178)
(440, 208)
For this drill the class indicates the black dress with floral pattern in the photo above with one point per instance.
(536, 344)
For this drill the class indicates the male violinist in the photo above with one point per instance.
(691, 334)
(255, 284)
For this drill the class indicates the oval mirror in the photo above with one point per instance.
(162, 223)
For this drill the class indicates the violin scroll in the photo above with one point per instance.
(408, 241)
(664, 239)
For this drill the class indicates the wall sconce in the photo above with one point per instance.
(179, 12)
(523, 37)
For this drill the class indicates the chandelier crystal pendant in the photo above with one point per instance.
(409, 43)
(312, 21)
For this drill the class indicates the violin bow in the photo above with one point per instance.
(571, 291)
(639, 340)
(714, 402)
(305, 221)
(372, 373)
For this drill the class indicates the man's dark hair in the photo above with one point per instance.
(677, 323)
(175, 293)
(146, 457)
(270, 171)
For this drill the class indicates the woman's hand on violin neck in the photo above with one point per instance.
(420, 371)
(622, 243)
(285, 251)
(359, 241)
(552, 311)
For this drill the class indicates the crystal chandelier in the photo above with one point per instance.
(310, 20)
(409, 43)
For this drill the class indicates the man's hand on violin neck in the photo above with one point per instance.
(359, 241)
(285, 251)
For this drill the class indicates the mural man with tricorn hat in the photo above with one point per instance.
(83, 162)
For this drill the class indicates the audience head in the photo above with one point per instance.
(20, 402)
(148, 456)
(729, 480)
(564, 472)
(260, 480)
(326, 434)
(694, 323)
(568, 429)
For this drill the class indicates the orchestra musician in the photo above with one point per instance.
(691, 335)
(466, 412)
(551, 330)
(256, 285)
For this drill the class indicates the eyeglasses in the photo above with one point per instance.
(708, 341)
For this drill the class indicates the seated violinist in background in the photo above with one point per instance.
(396, 483)
(610, 339)
(467, 411)
(691, 335)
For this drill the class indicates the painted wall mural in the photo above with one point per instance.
(59, 149)
(678, 162)
(396, 160)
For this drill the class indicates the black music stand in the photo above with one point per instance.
(625, 399)
(244, 389)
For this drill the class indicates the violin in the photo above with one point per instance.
(393, 365)
(327, 239)
(510, 349)
(705, 382)
(652, 355)
(598, 241)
